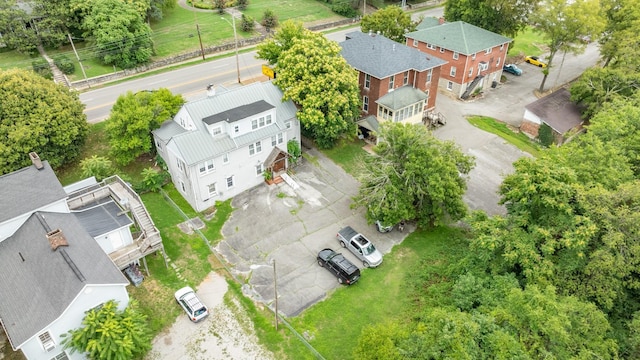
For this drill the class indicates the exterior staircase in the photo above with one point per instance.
(471, 86)
(58, 76)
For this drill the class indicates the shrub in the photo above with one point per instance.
(242, 4)
(152, 180)
(41, 67)
(344, 9)
(269, 19)
(98, 166)
(219, 5)
(545, 135)
(248, 24)
(64, 64)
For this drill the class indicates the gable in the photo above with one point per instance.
(459, 36)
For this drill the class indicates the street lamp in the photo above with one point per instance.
(235, 37)
(275, 287)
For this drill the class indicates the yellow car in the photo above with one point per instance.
(534, 60)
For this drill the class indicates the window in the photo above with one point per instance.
(391, 81)
(427, 93)
(229, 182)
(365, 103)
(498, 62)
(417, 108)
(273, 140)
(287, 124)
(431, 46)
(501, 47)
(471, 72)
(280, 138)
(213, 191)
(261, 121)
(367, 81)
(449, 85)
(268, 119)
(46, 341)
(206, 167)
(254, 124)
(236, 129)
(225, 158)
(255, 148)
(61, 356)
(415, 43)
(473, 57)
(429, 75)
(453, 71)
(441, 50)
(488, 51)
(405, 80)
(182, 186)
(158, 144)
(180, 165)
(455, 55)
(216, 131)
(483, 66)
(259, 170)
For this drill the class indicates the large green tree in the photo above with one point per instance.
(108, 333)
(132, 119)
(619, 43)
(312, 73)
(562, 25)
(38, 115)
(391, 21)
(506, 17)
(413, 176)
(13, 27)
(599, 86)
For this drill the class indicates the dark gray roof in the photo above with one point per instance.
(402, 97)
(37, 283)
(380, 57)
(459, 36)
(557, 110)
(103, 218)
(239, 113)
(27, 189)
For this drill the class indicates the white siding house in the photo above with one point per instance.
(217, 147)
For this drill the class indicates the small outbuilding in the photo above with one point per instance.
(558, 112)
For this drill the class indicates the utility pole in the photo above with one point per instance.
(235, 37)
(199, 37)
(78, 57)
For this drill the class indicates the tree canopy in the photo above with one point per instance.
(110, 333)
(132, 119)
(38, 115)
(15, 35)
(506, 17)
(618, 45)
(391, 21)
(413, 176)
(312, 73)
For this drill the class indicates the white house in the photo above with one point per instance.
(51, 269)
(220, 146)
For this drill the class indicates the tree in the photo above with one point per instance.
(98, 166)
(563, 23)
(157, 8)
(38, 115)
(219, 5)
(242, 4)
(119, 32)
(132, 119)
(391, 21)
(247, 24)
(110, 333)
(271, 49)
(313, 75)
(269, 19)
(618, 46)
(598, 86)
(506, 17)
(413, 176)
(15, 35)
(380, 342)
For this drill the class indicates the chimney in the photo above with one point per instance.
(56, 239)
(35, 159)
(211, 90)
(440, 20)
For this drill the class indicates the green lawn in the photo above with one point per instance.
(347, 154)
(517, 138)
(528, 42)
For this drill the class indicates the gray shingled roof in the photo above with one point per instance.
(380, 57)
(27, 189)
(557, 110)
(102, 218)
(198, 145)
(37, 283)
(239, 113)
(402, 97)
(459, 36)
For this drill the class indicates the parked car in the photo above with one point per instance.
(382, 227)
(194, 308)
(360, 246)
(512, 69)
(534, 60)
(338, 265)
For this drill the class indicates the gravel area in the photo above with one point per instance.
(227, 333)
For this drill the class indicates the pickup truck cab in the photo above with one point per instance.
(360, 246)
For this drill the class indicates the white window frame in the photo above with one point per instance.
(429, 75)
(216, 131)
(498, 62)
(501, 47)
(61, 356)
(274, 141)
(46, 341)
(365, 103)
(441, 50)
(280, 138)
(367, 81)
(391, 82)
(254, 124)
(450, 85)
(255, 148)
(488, 51)
(236, 129)
(405, 79)
(452, 72)
(229, 180)
(213, 186)
(269, 120)
(225, 158)
(473, 57)
(415, 42)
(206, 167)
(287, 124)
(431, 46)
(261, 122)
(259, 169)
(456, 55)
(470, 72)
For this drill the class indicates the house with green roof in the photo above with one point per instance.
(474, 56)
(222, 145)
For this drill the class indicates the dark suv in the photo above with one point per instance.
(338, 265)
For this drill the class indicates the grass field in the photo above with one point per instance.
(520, 140)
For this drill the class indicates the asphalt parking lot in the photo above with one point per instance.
(291, 226)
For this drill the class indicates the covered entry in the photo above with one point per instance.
(277, 162)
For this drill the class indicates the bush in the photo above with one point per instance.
(344, 9)
(269, 19)
(242, 4)
(219, 5)
(41, 67)
(64, 64)
(152, 180)
(98, 166)
(545, 135)
(248, 24)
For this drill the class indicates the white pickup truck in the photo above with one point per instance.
(360, 246)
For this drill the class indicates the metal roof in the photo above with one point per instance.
(103, 218)
(38, 284)
(29, 188)
(402, 97)
(459, 36)
(239, 113)
(381, 57)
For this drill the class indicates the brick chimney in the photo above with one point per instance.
(56, 239)
(35, 159)
(440, 20)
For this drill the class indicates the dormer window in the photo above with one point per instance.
(216, 131)
(262, 121)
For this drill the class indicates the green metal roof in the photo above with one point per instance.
(459, 36)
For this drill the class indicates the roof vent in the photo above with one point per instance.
(35, 159)
(56, 239)
(211, 90)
